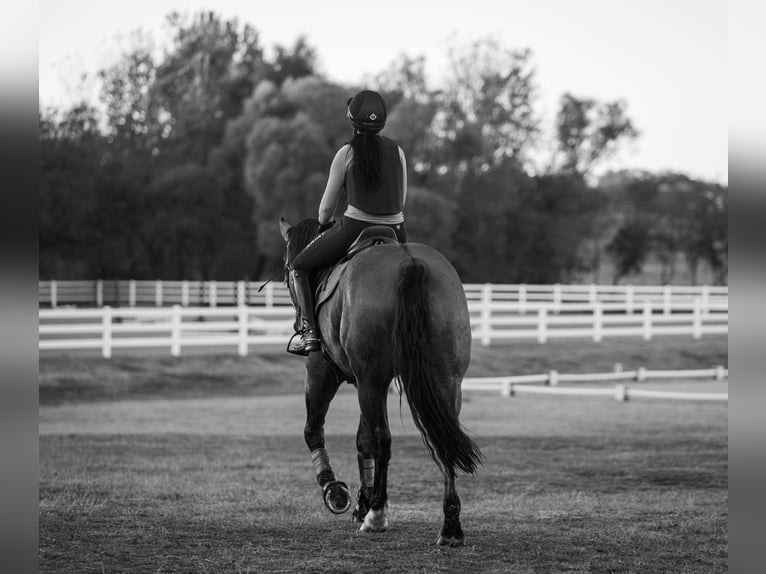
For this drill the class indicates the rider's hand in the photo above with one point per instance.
(325, 226)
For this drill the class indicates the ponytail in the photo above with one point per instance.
(367, 159)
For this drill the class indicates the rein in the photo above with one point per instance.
(270, 279)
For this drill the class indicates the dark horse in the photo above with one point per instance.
(399, 312)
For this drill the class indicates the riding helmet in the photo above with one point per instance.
(367, 111)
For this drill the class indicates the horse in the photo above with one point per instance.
(398, 314)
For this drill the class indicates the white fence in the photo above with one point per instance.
(496, 321)
(548, 384)
(174, 328)
(133, 293)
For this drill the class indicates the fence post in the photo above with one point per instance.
(507, 389)
(486, 314)
(522, 298)
(593, 293)
(106, 332)
(212, 293)
(666, 299)
(54, 294)
(647, 319)
(243, 330)
(719, 376)
(706, 298)
(629, 299)
(132, 293)
(597, 323)
(542, 315)
(99, 293)
(697, 319)
(185, 293)
(241, 294)
(641, 374)
(175, 331)
(621, 392)
(553, 378)
(557, 298)
(158, 293)
(269, 295)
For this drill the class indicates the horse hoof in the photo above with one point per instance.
(449, 541)
(358, 515)
(337, 498)
(375, 521)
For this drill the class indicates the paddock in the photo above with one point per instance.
(219, 483)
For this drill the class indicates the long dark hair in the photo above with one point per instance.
(367, 159)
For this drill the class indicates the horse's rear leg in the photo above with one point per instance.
(366, 462)
(377, 440)
(321, 386)
(451, 533)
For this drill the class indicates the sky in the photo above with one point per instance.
(666, 58)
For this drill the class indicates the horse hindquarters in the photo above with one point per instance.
(426, 365)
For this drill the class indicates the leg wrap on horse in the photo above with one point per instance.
(334, 492)
(368, 472)
(321, 461)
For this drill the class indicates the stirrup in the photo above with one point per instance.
(297, 345)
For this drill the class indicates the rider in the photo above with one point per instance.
(372, 170)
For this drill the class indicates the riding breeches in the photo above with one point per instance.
(330, 247)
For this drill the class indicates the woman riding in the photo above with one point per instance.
(372, 170)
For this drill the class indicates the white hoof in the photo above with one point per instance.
(375, 521)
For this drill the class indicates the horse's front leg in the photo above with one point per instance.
(321, 386)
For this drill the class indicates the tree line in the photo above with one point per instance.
(189, 160)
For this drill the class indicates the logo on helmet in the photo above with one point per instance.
(373, 117)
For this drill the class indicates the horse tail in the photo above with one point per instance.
(421, 375)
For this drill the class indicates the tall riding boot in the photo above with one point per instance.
(307, 322)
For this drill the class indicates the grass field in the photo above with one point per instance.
(198, 465)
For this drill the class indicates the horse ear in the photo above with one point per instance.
(284, 228)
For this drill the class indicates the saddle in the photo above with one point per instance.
(328, 278)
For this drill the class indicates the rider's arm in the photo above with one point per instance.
(334, 186)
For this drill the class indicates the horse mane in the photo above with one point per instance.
(301, 235)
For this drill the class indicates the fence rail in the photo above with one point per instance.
(132, 293)
(106, 328)
(548, 384)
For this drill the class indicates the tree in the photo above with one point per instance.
(285, 172)
(299, 61)
(132, 128)
(629, 248)
(486, 224)
(324, 103)
(431, 219)
(410, 124)
(486, 110)
(70, 151)
(554, 218)
(405, 78)
(589, 132)
(201, 83)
